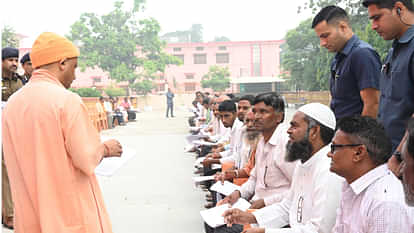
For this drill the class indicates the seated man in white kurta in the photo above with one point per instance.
(314, 196)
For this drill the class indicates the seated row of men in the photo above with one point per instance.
(311, 175)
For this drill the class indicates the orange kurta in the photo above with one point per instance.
(51, 152)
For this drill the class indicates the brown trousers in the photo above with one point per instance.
(7, 203)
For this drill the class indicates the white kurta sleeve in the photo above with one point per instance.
(247, 189)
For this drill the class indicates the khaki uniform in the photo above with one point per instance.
(9, 86)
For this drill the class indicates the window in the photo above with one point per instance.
(161, 87)
(222, 58)
(222, 48)
(256, 61)
(176, 49)
(200, 59)
(189, 87)
(180, 56)
(199, 48)
(189, 76)
(96, 79)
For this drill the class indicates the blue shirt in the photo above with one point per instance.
(397, 87)
(170, 97)
(355, 68)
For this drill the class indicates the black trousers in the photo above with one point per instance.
(170, 107)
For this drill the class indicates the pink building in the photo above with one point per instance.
(253, 59)
(249, 63)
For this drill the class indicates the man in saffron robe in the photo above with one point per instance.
(52, 149)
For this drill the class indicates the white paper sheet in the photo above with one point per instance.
(205, 143)
(198, 179)
(213, 217)
(226, 188)
(109, 166)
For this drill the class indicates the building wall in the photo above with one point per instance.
(241, 57)
(240, 62)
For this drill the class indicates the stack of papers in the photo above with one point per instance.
(226, 188)
(213, 217)
(199, 179)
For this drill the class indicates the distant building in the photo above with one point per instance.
(252, 65)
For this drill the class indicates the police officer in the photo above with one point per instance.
(27, 67)
(11, 82)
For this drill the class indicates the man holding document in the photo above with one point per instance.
(314, 196)
(52, 149)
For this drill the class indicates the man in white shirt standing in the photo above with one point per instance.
(314, 196)
(372, 196)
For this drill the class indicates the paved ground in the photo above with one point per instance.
(154, 192)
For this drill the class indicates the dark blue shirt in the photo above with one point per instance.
(355, 68)
(397, 87)
(170, 97)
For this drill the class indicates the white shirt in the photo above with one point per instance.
(272, 174)
(374, 203)
(235, 140)
(311, 203)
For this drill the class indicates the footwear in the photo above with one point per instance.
(8, 223)
(208, 195)
(209, 198)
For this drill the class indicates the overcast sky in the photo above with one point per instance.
(239, 20)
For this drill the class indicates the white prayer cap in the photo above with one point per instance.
(321, 113)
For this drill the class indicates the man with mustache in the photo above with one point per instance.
(10, 84)
(355, 68)
(315, 192)
(372, 197)
(271, 178)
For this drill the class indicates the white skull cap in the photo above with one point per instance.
(321, 113)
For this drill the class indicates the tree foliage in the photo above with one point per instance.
(86, 92)
(193, 34)
(9, 37)
(308, 63)
(143, 87)
(217, 78)
(115, 91)
(127, 47)
(221, 39)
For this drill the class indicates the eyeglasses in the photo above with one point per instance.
(335, 146)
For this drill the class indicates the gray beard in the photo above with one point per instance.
(299, 150)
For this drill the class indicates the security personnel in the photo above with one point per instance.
(27, 67)
(394, 20)
(11, 82)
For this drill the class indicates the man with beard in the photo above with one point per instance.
(246, 160)
(272, 175)
(408, 165)
(10, 84)
(372, 197)
(315, 192)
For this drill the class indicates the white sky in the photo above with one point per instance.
(239, 20)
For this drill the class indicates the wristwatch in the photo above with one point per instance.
(397, 155)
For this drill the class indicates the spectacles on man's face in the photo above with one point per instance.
(335, 146)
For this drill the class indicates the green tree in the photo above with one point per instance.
(196, 33)
(221, 39)
(128, 48)
(143, 87)
(86, 92)
(115, 91)
(9, 37)
(217, 78)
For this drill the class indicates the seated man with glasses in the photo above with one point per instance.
(372, 196)
(314, 197)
